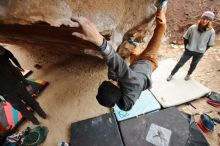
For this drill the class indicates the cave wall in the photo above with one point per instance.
(113, 17)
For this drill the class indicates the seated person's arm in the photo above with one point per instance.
(15, 61)
(11, 56)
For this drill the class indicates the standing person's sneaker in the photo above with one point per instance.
(187, 77)
(169, 78)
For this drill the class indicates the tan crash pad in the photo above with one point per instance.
(177, 91)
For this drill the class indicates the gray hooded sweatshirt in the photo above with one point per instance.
(132, 79)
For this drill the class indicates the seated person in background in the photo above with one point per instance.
(14, 87)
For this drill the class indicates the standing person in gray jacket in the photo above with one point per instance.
(197, 40)
(125, 82)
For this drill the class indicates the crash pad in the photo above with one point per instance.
(146, 103)
(99, 131)
(135, 131)
(177, 91)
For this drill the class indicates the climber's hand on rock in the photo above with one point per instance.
(89, 31)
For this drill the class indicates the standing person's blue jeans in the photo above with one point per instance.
(185, 57)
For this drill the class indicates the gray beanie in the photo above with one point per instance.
(208, 14)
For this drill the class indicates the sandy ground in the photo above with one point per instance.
(70, 97)
(74, 80)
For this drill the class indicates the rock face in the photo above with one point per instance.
(48, 22)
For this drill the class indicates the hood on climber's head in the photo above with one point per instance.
(108, 94)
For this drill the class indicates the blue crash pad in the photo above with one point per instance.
(145, 104)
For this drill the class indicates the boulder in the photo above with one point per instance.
(49, 22)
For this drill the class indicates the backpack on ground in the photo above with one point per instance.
(35, 137)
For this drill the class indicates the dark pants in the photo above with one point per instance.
(185, 57)
(17, 99)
